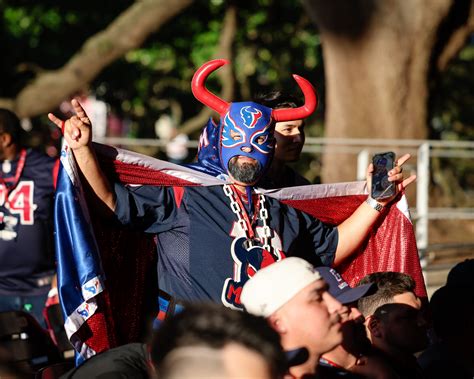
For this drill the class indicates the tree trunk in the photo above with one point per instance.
(377, 57)
(127, 32)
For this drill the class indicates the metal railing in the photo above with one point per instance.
(423, 150)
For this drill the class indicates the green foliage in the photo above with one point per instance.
(274, 38)
(453, 99)
(452, 110)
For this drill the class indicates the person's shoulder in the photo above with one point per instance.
(126, 361)
(294, 178)
(287, 178)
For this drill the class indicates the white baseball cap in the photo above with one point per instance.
(273, 286)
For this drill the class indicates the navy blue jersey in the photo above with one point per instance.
(26, 227)
(202, 253)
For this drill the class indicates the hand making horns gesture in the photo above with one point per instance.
(77, 130)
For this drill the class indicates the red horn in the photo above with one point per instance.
(310, 103)
(200, 91)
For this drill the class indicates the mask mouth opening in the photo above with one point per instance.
(246, 172)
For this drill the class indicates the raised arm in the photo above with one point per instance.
(354, 230)
(77, 131)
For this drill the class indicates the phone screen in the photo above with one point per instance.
(381, 187)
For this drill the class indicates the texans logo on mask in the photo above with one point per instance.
(250, 116)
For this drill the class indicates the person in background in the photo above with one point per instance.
(204, 340)
(210, 341)
(354, 357)
(452, 311)
(126, 361)
(289, 138)
(27, 187)
(293, 296)
(394, 320)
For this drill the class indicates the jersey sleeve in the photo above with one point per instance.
(151, 209)
(324, 238)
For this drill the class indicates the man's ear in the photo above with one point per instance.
(5, 139)
(277, 323)
(374, 326)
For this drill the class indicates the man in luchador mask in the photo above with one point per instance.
(212, 239)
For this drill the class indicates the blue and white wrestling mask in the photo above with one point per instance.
(246, 128)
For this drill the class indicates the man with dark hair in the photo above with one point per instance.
(26, 221)
(354, 356)
(10, 124)
(462, 275)
(390, 286)
(212, 239)
(217, 341)
(395, 324)
(204, 340)
(289, 141)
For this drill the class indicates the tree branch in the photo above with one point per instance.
(127, 32)
(457, 40)
(225, 73)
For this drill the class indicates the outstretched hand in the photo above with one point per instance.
(77, 130)
(394, 175)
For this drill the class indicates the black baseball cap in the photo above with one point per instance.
(340, 289)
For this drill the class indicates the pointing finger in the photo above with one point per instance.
(55, 120)
(403, 159)
(59, 123)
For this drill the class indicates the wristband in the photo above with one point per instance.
(374, 204)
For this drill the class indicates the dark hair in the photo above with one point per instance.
(388, 285)
(215, 326)
(278, 99)
(10, 123)
(462, 274)
(451, 311)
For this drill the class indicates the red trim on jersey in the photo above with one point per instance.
(13, 181)
(55, 172)
(178, 195)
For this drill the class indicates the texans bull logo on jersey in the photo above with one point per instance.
(247, 261)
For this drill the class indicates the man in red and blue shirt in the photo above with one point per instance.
(212, 239)
(26, 225)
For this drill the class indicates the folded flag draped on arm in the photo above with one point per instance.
(107, 273)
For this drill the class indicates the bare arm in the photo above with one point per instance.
(354, 230)
(77, 131)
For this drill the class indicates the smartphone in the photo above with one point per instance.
(381, 187)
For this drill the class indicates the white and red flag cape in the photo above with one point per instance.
(107, 274)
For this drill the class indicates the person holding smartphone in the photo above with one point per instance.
(226, 231)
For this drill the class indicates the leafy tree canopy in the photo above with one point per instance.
(273, 40)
